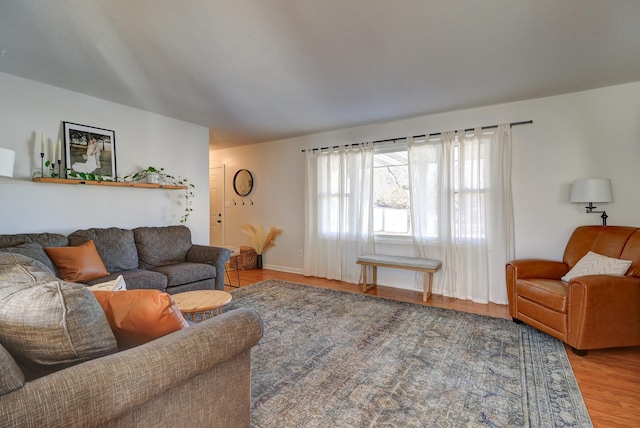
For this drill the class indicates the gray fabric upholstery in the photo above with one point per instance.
(198, 376)
(184, 273)
(415, 262)
(44, 239)
(136, 279)
(11, 377)
(119, 250)
(35, 251)
(159, 246)
(216, 256)
(116, 246)
(45, 323)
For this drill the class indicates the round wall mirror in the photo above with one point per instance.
(243, 182)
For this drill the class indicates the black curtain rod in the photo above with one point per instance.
(525, 122)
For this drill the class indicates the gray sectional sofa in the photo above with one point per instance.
(59, 361)
(162, 258)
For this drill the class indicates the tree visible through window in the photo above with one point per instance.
(391, 206)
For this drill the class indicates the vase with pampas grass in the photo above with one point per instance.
(259, 240)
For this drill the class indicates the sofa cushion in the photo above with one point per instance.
(35, 251)
(44, 239)
(11, 377)
(159, 246)
(78, 264)
(597, 264)
(185, 273)
(116, 246)
(47, 324)
(140, 316)
(137, 279)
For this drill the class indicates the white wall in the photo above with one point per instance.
(143, 139)
(588, 134)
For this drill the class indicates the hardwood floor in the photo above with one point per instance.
(609, 379)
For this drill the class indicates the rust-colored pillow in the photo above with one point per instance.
(140, 316)
(78, 264)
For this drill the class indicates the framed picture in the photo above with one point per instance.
(89, 150)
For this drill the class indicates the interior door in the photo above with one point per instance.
(216, 208)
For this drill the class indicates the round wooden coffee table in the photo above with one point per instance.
(203, 302)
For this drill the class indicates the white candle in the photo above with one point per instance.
(59, 149)
(42, 144)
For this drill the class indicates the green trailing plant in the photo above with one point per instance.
(168, 179)
(87, 176)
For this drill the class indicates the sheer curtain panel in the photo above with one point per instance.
(462, 210)
(338, 211)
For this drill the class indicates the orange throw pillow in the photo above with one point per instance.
(78, 264)
(140, 316)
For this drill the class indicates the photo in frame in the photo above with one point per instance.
(89, 150)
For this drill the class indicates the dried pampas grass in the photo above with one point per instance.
(257, 238)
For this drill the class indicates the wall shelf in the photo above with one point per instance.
(107, 183)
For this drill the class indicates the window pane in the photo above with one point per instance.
(391, 193)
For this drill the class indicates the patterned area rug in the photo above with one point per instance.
(335, 359)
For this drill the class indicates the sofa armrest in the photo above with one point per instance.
(112, 387)
(603, 312)
(216, 256)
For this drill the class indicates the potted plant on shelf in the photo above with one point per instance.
(260, 241)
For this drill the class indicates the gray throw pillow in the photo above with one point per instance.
(48, 324)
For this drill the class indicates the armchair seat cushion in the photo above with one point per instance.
(185, 273)
(549, 293)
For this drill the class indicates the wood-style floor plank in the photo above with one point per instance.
(609, 379)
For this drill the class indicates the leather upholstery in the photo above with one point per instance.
(589, 312)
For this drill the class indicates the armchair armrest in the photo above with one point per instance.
(537, 268)
(216, 256)
(603, 312)
(116, 387)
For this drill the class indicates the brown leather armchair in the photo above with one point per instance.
(588, 312)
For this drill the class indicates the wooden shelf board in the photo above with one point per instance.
(107, 183)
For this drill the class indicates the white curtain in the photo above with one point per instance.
(338, 211)
(462, 210)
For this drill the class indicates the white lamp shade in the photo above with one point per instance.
(591, 190)
(7, 159)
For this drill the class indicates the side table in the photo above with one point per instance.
(203, 302)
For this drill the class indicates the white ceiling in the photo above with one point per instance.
(260, 70)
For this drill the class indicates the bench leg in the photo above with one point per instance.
(426, 290)
(365, 286)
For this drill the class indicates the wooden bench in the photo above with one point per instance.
(427, 266)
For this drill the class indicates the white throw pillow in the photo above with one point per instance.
(117, 284)
(597, 264)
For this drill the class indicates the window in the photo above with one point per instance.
(391, 202)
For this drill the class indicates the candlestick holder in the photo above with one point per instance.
(42, 164)
(59, 168)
